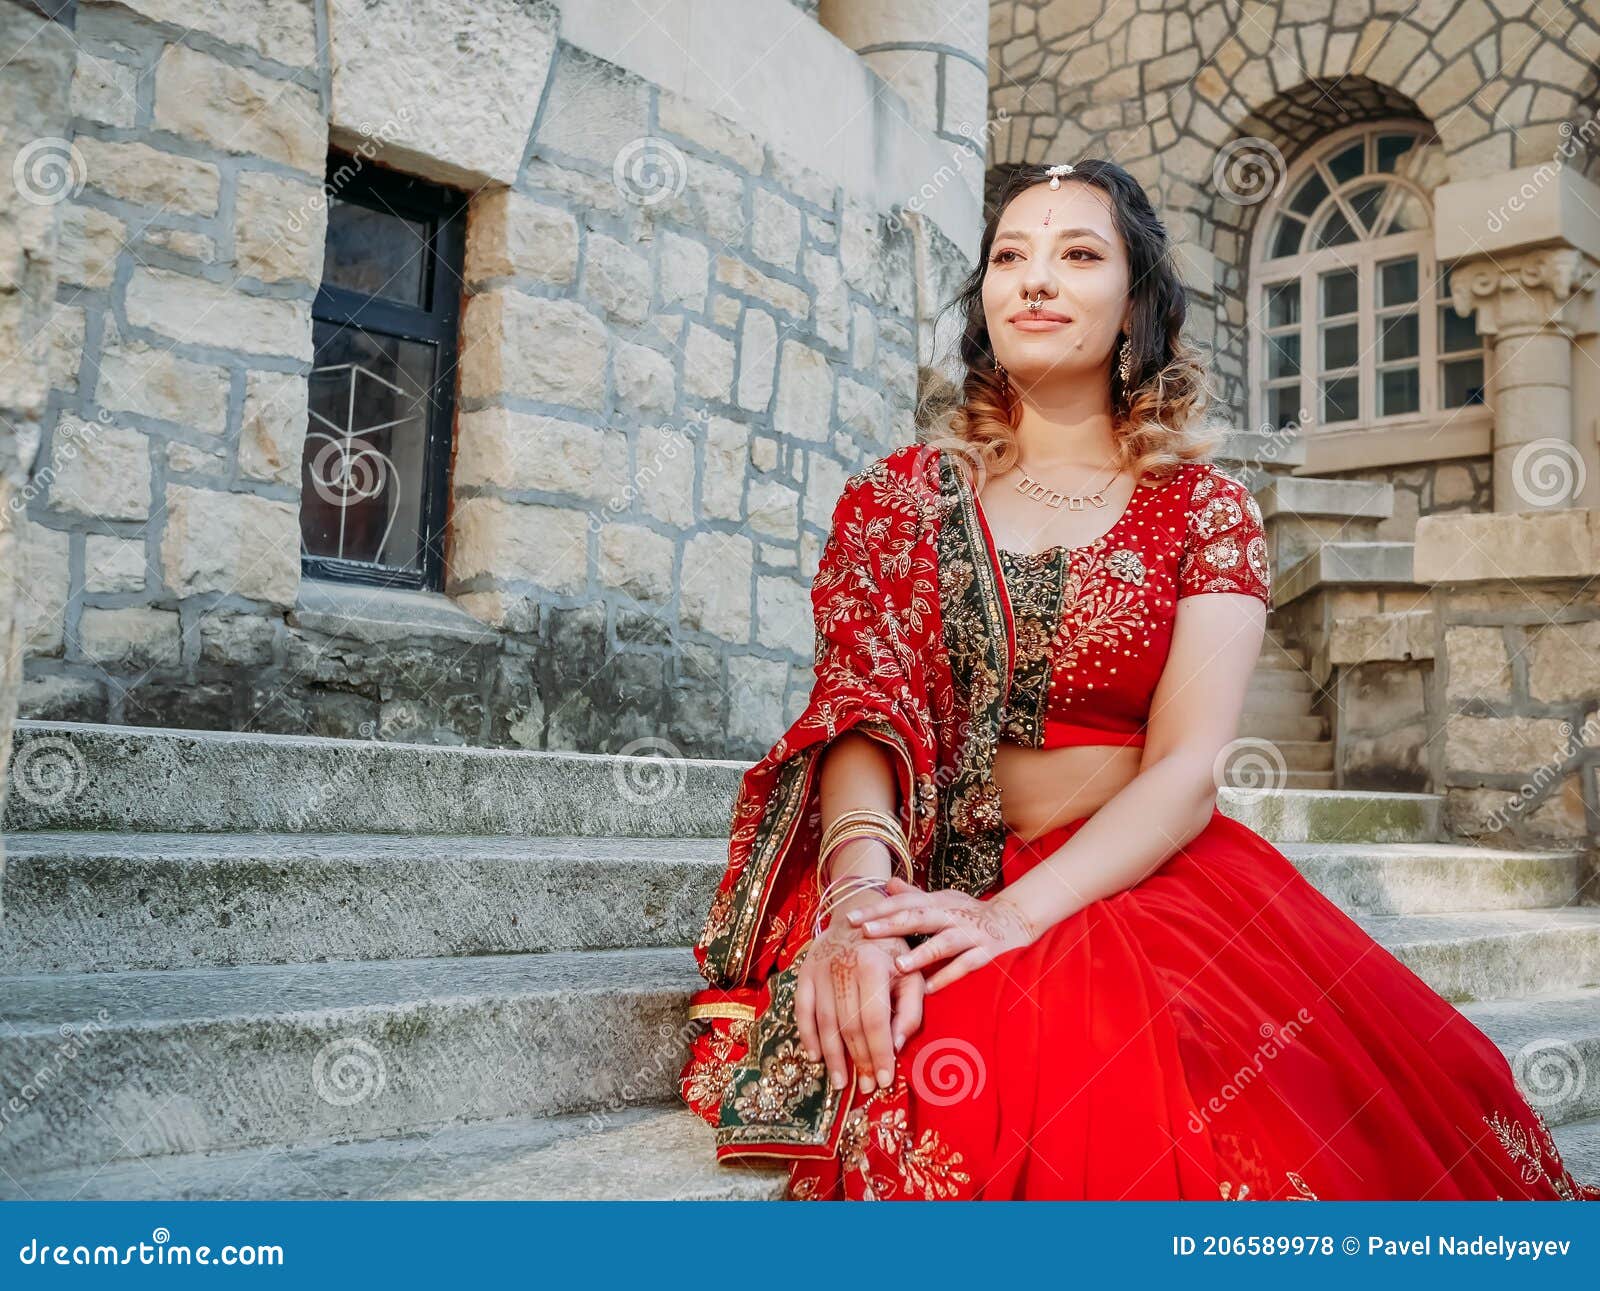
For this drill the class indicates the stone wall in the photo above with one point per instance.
(1428, 488)
(40, 171)
(1165, 88)
(1514, 726)
(659, 395)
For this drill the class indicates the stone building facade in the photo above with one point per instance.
(682, 286)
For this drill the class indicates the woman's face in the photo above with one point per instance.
(1062, 244)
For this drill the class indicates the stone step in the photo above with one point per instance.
(1303, 496)
(208, 1059)
(636, 1154)
(1275, 702)
(1438, 878)
(1280, 680)
(1553, 1045)
(1334, 815)
(86, 902)
(71, 775)
(1274, 659)
(1282, 726)
(98, 902)
(1348, 564)
(1579, 1145)
(1495, 955)
(1306, 755)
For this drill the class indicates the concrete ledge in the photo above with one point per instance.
(1508, 546)
(1308, 495)
(377, 614)
(1364, 564)
(70, 775)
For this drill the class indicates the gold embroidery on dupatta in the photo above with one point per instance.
(970, 834)
(927, 1166)
(1522, 1148)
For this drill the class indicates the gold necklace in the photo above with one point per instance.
(1038, 491)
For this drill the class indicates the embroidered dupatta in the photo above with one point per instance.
(915, 648)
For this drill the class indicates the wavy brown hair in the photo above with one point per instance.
(1157, 418)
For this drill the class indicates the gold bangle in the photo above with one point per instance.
(863, 816)
(900, 854)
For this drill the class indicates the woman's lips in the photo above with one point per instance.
(1037, 324)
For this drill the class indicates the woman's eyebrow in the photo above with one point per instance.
(1023, 235)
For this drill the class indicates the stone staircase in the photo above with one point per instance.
(1278, 709)
(274, 967)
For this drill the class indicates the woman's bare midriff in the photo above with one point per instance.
(1043, 788)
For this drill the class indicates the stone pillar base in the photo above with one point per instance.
(1514, 709)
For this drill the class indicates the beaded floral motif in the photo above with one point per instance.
(1124, 562)
(876, 1135)
(1228, 548)
(1532, 1155)
(786, 1077)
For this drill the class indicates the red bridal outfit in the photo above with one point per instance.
(1219, 1030)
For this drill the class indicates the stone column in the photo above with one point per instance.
(41, 171)
(1514, 701)
(1525, 246)
(1533, 307)
(934, 53)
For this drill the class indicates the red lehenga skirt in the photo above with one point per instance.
(1221, 1030)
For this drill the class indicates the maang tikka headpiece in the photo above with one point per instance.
(1056, 172)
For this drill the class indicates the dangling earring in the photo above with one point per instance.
(1005, 377)
(1125, 362)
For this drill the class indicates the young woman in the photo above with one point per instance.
(1034, 638)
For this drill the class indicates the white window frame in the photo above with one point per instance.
(1431, 432)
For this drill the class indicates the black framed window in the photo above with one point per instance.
(375, 472)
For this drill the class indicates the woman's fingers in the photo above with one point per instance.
(828, 1036)
(959, 967)
(848, 999)
(949, 942)
(875, 1017)
(908, 990)
(907, 922)
(909, 899)
(805, 994)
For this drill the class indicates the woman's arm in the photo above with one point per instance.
(1194, 716)
(852, 999)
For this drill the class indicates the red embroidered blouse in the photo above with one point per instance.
(1094, 622)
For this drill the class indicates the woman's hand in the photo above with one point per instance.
(966, 931)
(851, 998)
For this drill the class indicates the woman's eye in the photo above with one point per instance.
(999, 256)
(1083, 251)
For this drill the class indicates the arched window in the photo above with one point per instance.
(1352, 324)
